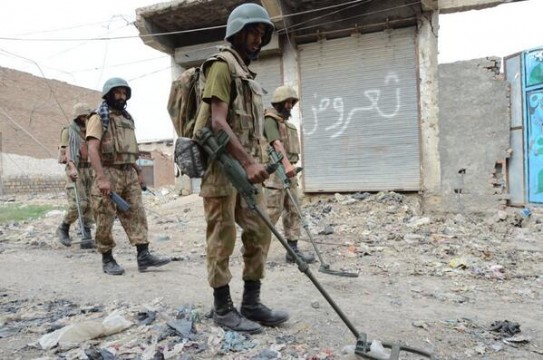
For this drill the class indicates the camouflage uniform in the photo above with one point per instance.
(282, 136)
(73, 139)
(119, 153)
(113, 150)
(230, 86)
(223, 206)
(83, 184)
(276, 196)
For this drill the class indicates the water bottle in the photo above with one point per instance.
(525, 213)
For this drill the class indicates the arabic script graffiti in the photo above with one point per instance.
(339, 127)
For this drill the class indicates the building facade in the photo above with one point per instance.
(366, 73)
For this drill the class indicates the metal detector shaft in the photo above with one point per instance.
(80, 215)
(363, 346)
(304, 267)
(324, 268)
(305, 225)
(276, 157)
(215, 147)
(74, 155)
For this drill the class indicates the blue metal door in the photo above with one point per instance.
(533, 118)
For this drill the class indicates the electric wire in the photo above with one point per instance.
(10, 158)
(352, 17)
(293, 28)
(150, 73)
(354, 2)
(51, 91)
(67, 27)
(7, 116)
(122, 64)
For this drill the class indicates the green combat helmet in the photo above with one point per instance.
(283, 93)
(81, 109)
(249, 14)
(113, 83)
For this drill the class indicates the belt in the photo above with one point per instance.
(123, 167)
(84, 165)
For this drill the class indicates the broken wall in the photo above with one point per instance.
(474, 118)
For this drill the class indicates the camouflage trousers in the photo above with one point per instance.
(83, 185)
(280, 205)
(134, 222)
(222, 214)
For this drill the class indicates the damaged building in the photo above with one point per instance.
(371, 90)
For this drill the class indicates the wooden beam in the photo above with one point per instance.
(274, 9)
(429, 5)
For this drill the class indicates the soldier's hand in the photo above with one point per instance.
(290, 170)
(73, 174)
(256, 173)
(103, 185)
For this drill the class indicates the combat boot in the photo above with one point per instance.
(254, 310)
(146, 259)
(63, 233)
(226, 316)
(109, 265)
(308, 258)
(87, 242)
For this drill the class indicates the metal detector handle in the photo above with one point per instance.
(215, 146)
(145, 188)
(119, 201)
(79, 213)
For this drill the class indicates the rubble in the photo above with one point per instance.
(433, 280)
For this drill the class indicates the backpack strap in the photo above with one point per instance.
(60, 134)
(273, 114)
(235, 63)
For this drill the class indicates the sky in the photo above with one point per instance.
(85, 42)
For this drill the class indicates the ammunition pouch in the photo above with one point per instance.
(190, 158)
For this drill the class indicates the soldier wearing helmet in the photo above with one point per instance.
(282, 135)
(113, 152)
(234, 104)
(79, 177)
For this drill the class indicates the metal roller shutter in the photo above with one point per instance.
(268, 75)
(359, 103)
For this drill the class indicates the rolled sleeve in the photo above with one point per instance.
(94, 127)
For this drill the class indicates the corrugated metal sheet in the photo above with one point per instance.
(268, 75)
(360, 128)
(515, 170)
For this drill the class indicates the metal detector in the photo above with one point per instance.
(276, 158)
(214, 146)
(84, 234)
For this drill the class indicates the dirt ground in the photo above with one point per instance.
(459, 286)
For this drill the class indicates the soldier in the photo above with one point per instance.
(282, 135)
(113, 151)
(79, 178)
(234, 104)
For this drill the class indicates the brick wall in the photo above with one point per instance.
(41, 107)
(33, 184)
(163, 169)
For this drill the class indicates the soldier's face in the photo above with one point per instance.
(286, 107)
(118, 97)
(252, 40)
